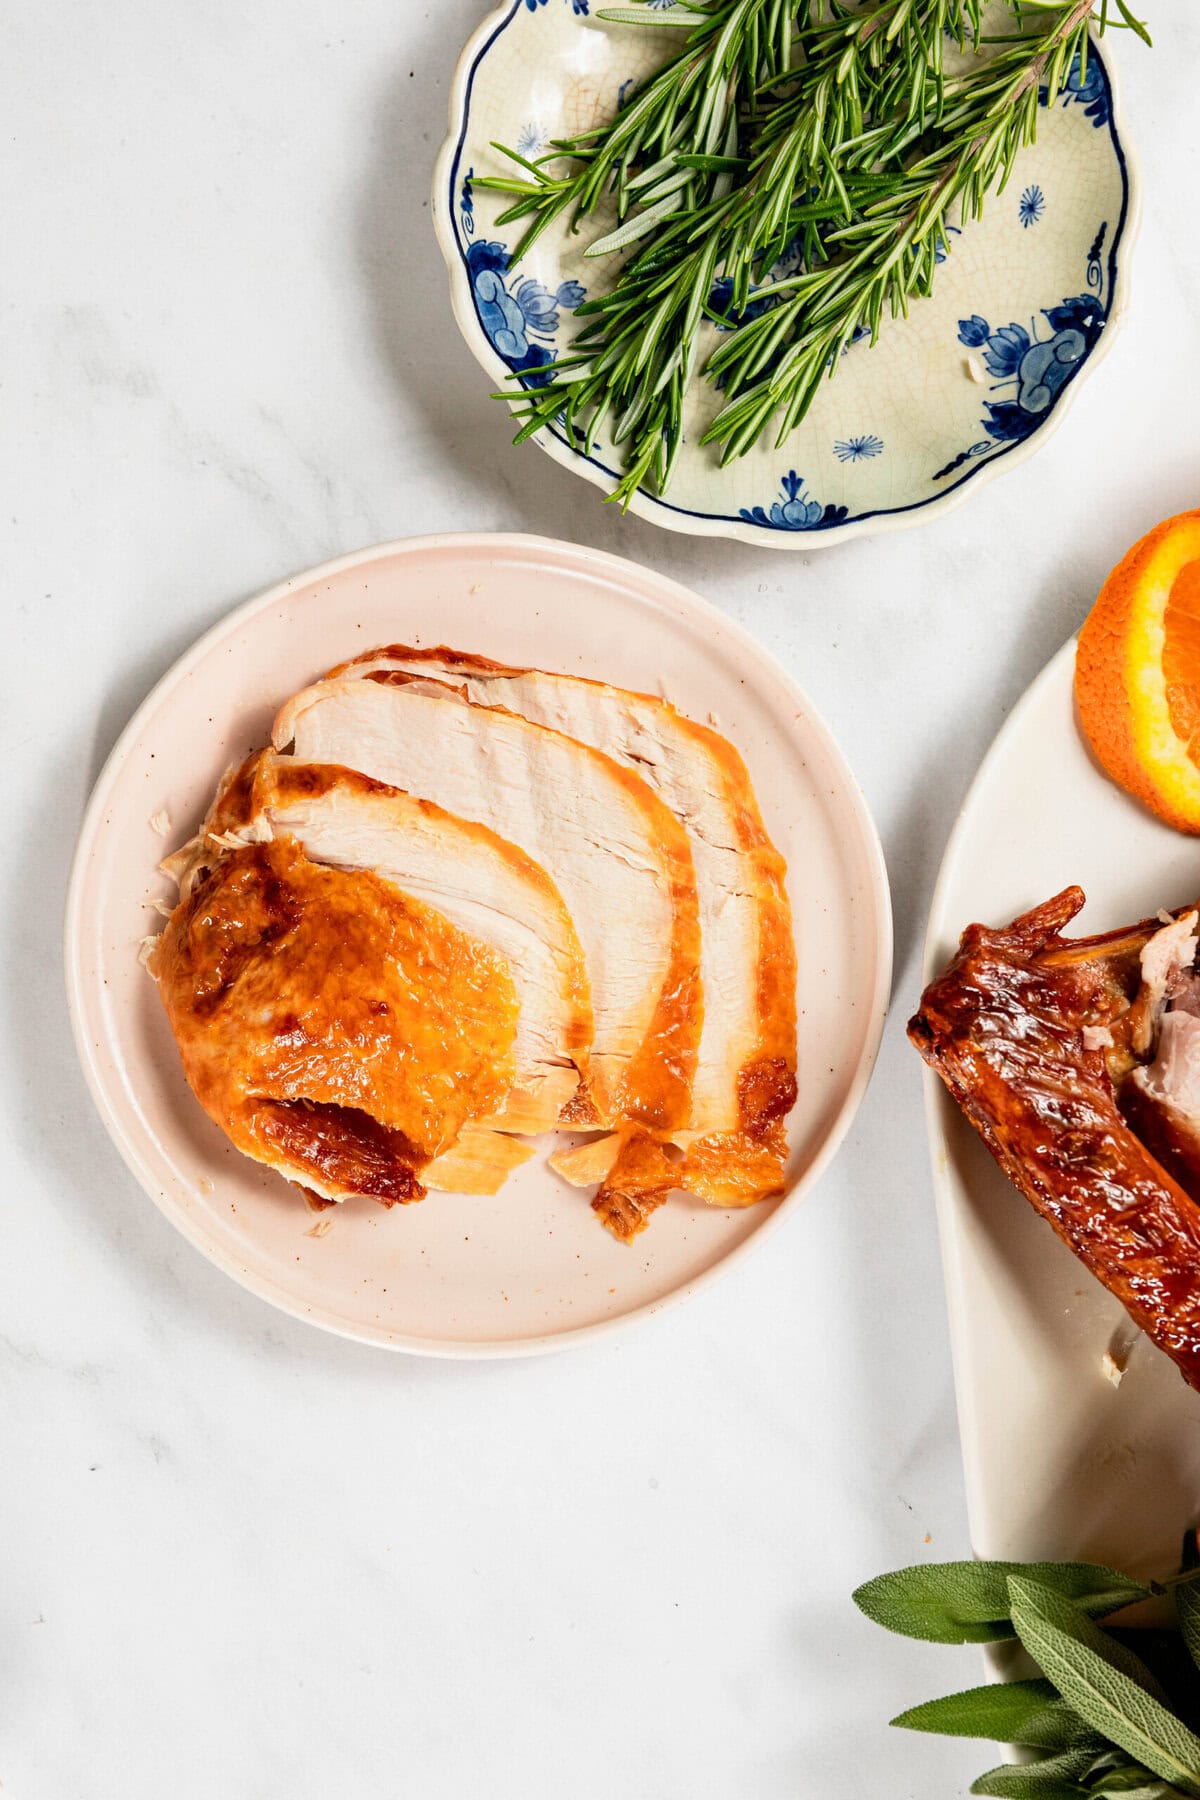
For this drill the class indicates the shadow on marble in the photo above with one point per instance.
(916, 839)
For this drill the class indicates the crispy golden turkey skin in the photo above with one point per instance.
(336, 1029)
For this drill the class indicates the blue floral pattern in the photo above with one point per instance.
(519, 315)
(1095, 272)
(982, 448)
(1028, 362)
(794, 511)
(857, 449)
(1090, 92)
(943, 247)
(790, 262)
(1038, 368)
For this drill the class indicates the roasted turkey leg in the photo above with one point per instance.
(1004, 1027)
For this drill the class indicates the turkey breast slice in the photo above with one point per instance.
(746, 1065)
(337, 1029)
(618, 856)
(481, 883)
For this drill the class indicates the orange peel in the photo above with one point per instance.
(1137, 672)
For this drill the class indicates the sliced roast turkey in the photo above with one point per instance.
(338, 1030)
(618, 856)
(746, 1063)
(482, 883)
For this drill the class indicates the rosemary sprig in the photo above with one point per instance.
(832, 134)
(664, 151)
(887, 253)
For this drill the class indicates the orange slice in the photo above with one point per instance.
(1137, 672)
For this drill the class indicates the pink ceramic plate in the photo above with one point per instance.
(531, 1268)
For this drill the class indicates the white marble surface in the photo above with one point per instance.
(240, 1558)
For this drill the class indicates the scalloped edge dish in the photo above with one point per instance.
(765, 528)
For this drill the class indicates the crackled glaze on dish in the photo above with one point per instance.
(1026, 299)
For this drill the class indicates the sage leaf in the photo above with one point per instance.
(1165, 1655)
(1117, 1650)
(1151, 1789)
(1187, 1597)
(967, 1602)
(1053, 1778)
(1187, 1611)
(1009, 1712)
(1133, 1781)
(1085, 1674)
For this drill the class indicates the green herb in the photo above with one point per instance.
(968, 1602)
(1187, 1599)
(1008, 1712)
(842, 130)
(1113, 1707)
(1091, 1677)
(1052, 1778)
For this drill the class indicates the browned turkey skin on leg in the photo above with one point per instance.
(1078, 1062)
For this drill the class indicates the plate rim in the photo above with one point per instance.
(939, 1108)
(565, 556)
(690, 524)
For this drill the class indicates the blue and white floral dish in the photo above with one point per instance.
(1027, 300)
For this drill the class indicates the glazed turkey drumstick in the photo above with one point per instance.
(1070, 1057)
